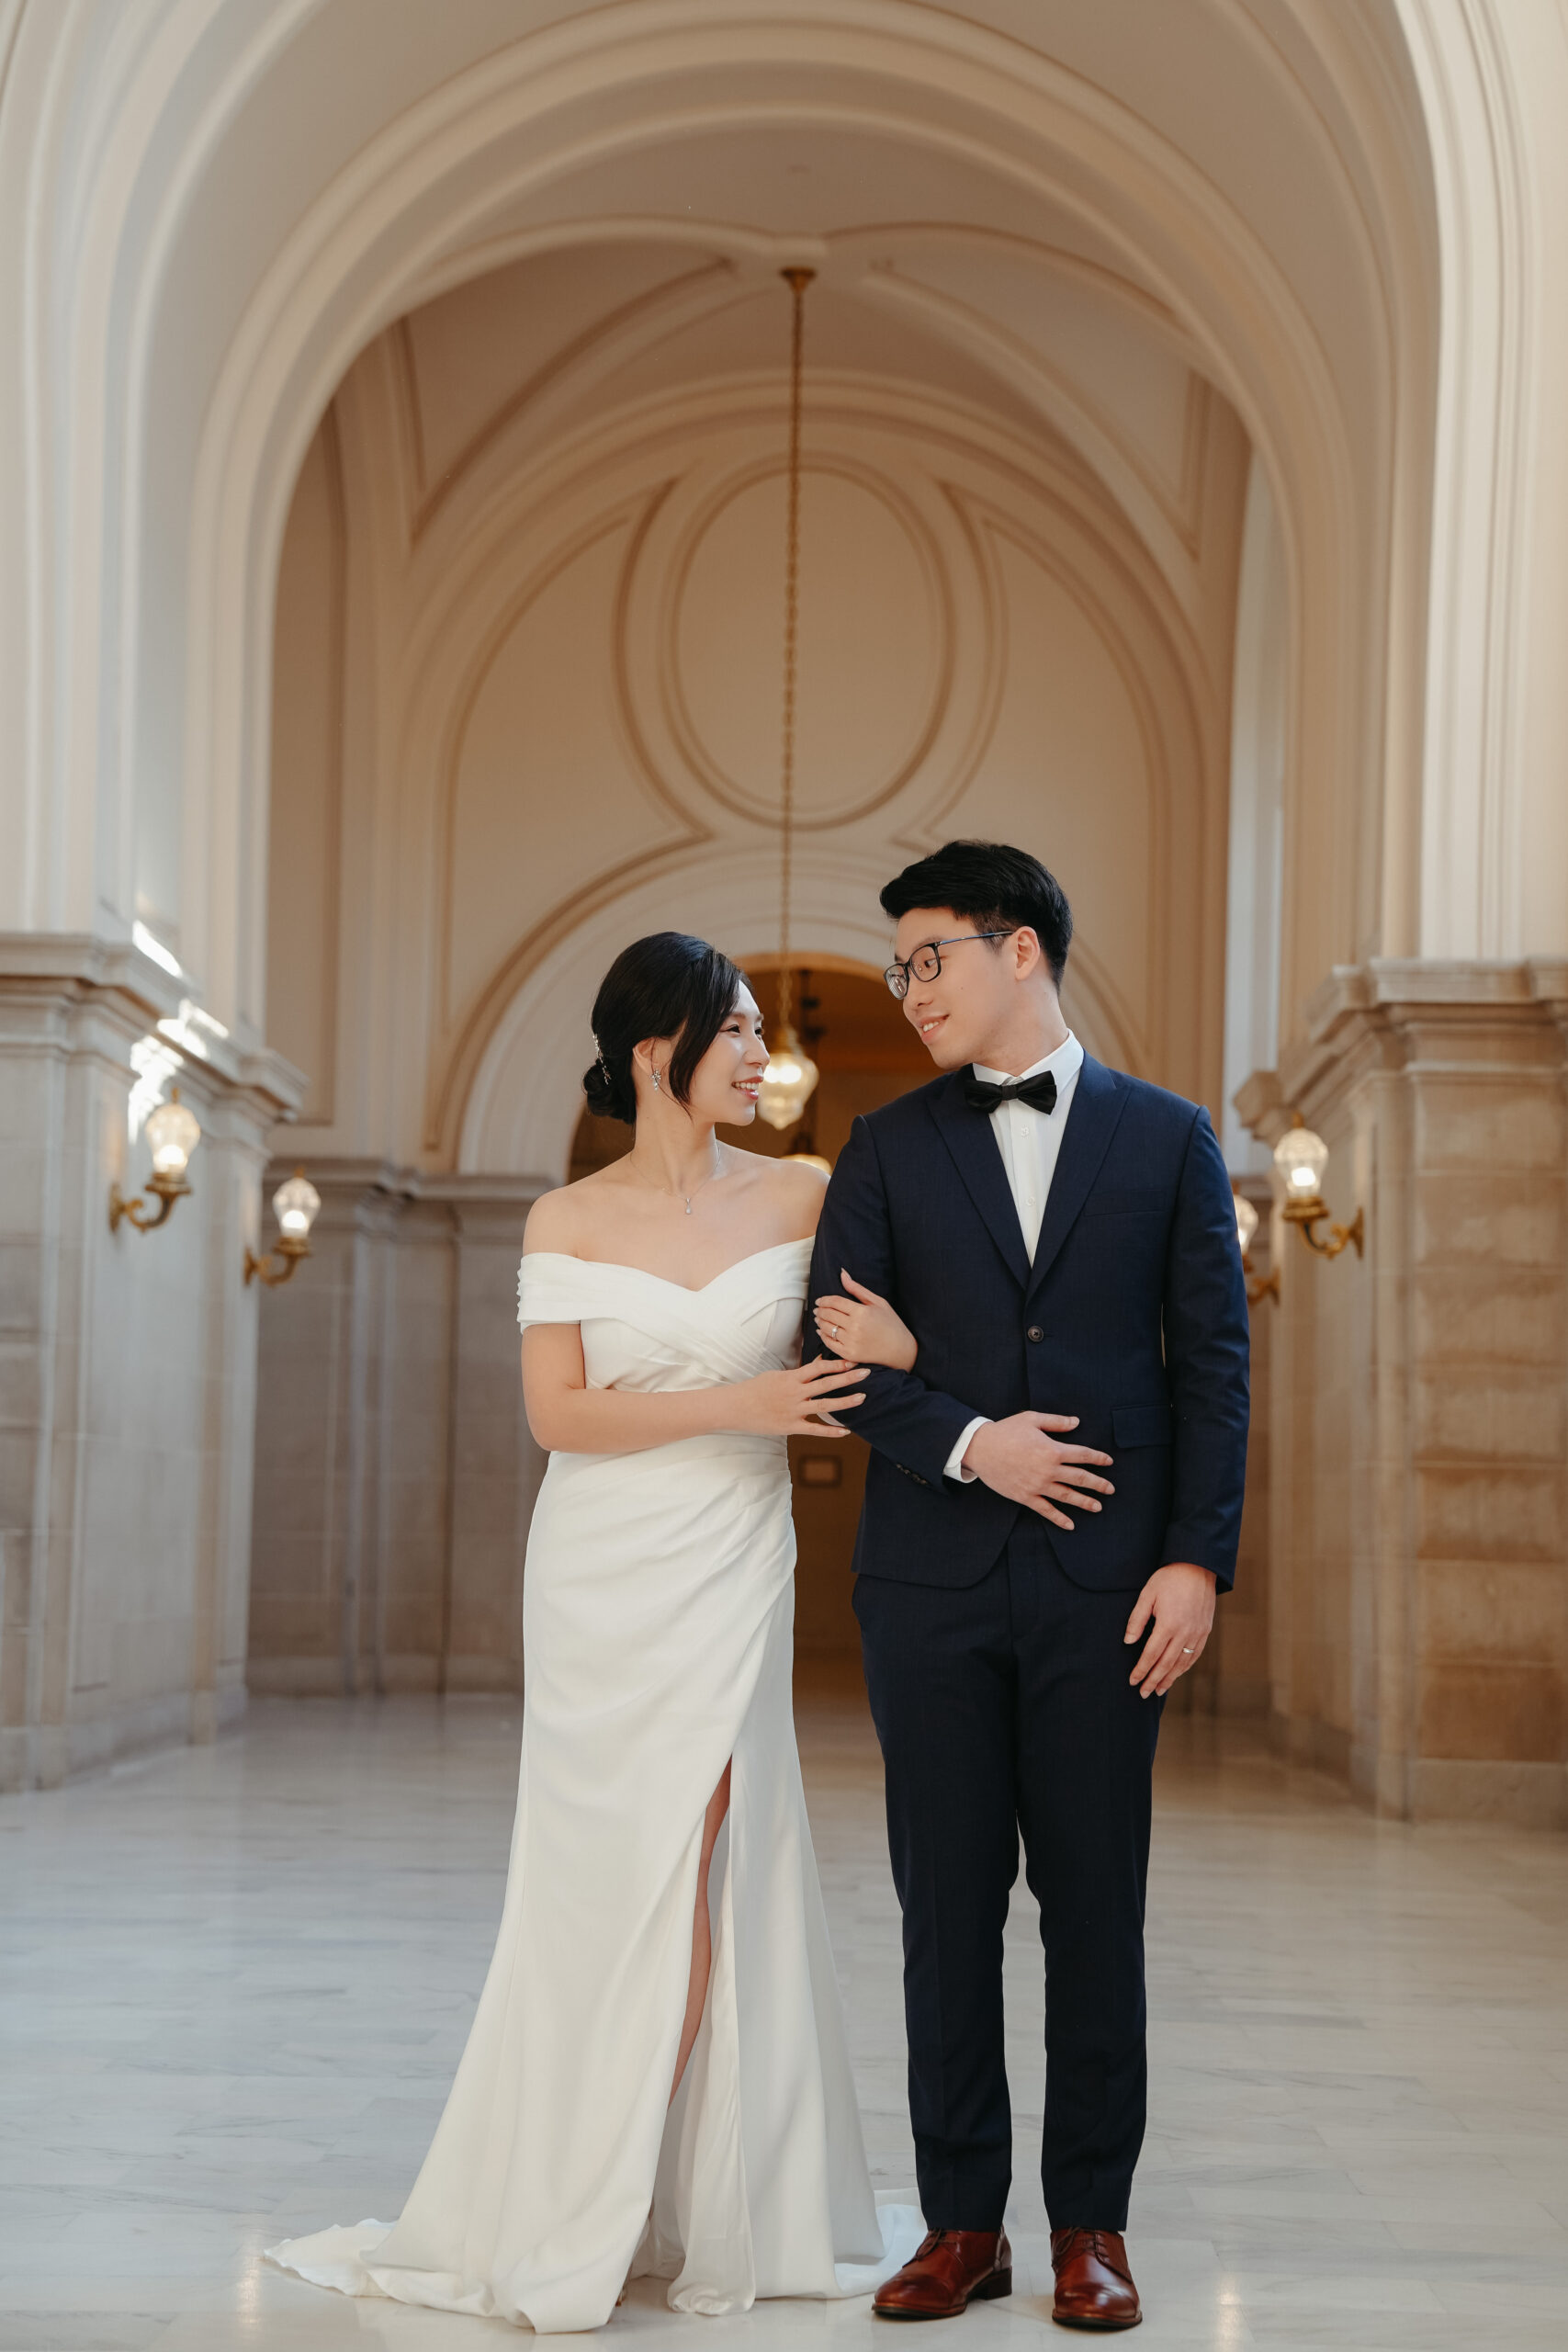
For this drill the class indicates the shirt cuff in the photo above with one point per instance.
(954, 1465)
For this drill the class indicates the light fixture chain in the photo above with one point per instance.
(797, 280)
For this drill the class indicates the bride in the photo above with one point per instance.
(657, 2079)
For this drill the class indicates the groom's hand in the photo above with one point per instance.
(1022, 1459)
(1180, 1599)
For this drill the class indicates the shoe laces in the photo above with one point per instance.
(1076, 2240)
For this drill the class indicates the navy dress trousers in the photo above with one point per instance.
(993, 1640)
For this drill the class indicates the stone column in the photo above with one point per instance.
(125, 1363)
(1419, 1423)
(395, 1475)
(496, 1466)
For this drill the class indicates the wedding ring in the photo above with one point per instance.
(1187, 1649)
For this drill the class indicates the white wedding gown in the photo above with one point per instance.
(658, 1617)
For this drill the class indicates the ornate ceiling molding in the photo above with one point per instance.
(660, 477)
(658, 651)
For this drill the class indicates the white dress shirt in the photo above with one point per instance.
(1029, 1142)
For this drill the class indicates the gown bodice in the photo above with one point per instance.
(641, 1331)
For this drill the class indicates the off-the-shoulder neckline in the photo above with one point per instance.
(693, 1290)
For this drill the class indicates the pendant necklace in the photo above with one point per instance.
(690, 1198)
(687, 1197)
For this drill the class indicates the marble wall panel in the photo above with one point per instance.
(1470, 1707)
(396, 1474)
(1495, 1310)
(1482, 1510)
(1494, 1216)
(1489, 1410)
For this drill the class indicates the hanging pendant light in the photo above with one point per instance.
(788, 1081)
(790, 1077)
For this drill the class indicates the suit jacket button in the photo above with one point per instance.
(1034, 1332)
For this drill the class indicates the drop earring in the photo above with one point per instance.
(656, 1085)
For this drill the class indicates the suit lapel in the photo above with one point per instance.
(1096, 1105)
(969, 1137)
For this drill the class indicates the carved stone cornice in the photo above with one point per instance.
(1431, 1016)
(49, 979)
(361, 1190)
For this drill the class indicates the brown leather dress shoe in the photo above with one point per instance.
(1094, 2286)
(949, 2270)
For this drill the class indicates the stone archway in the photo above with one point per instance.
(454, 178)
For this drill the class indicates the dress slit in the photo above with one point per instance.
(700, 2232)
(704, 1901)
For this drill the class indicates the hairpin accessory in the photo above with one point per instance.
(599, 1056)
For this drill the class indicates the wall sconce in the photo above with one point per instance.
(1257, 1285)
(294, 1204)
(173, 1133)
(1301, 1157)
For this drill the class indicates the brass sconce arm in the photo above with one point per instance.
(1300, 1159)
(1259, 1286)
(268, 1270)
(1308, 1215)
(168, 1190)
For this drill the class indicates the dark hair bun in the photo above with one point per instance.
(610, 1096)
(668, 985)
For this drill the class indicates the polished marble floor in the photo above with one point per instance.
(233, 1981)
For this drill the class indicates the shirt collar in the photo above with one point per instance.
(1064, 1066)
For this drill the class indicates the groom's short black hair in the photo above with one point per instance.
(993, 887)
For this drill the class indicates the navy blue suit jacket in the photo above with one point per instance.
(1132, 1315)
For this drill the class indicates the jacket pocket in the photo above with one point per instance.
(1141, 1424)
(1144, 1202)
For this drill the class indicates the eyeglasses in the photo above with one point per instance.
(926, 963)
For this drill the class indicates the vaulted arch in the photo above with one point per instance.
(217, 362)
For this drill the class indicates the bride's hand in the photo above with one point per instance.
(865, 1327)
(780, 1404)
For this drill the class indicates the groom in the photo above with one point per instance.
(1053, 1498)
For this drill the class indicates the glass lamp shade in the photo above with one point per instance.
(294, 1204)
(1301, 1157)
(173, 1132)
(788, 1082)
(1245, 1222)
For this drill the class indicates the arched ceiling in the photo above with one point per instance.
(1059, 209)
(1041, 337)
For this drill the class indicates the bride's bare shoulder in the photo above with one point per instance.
(794, 1191)
(561, 1220)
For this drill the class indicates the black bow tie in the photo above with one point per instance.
(1039, 1092)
